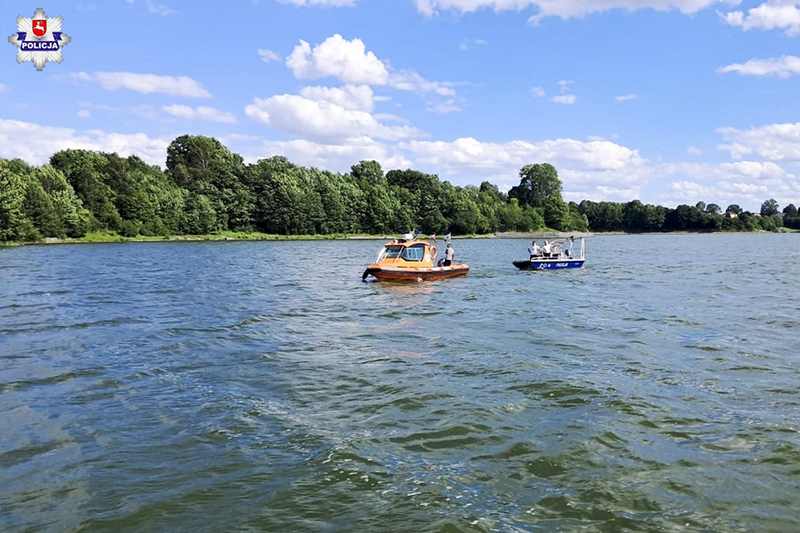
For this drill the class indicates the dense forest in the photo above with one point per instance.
(206, 189)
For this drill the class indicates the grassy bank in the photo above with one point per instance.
(110, 236)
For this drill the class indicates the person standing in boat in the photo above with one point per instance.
(449, 255)
(534, 250)
(568, 246)
(546, 248)
(447, 238)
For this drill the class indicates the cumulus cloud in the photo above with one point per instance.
(783, 67)
(337, 57)
(322, 121)
(747, 183)
(775, 14)
(145, 83)
(353, 97)
(199, 113)
(625, 98)
(773, 142)
(594, 168)
(351, 63)
(336, 157)
(35, 143)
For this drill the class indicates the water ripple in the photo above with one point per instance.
(248, 386)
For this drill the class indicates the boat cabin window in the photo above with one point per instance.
(393, 252)
(414, 253)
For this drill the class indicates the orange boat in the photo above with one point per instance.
(411, 259)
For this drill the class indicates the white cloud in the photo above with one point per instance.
(321, 3)
(199, 113)
(783, 67)
(4, 88)
(567, 99)
(775, 14)
(565, 86)
(268, 55)
(538, 92)
(145, 83)
(773, 142)
(564, 9)
(35, 143)
(747, 183)
(330, 156)
(691, 150)
(83, 113)
(448, 106)
(407, 80)
(159, 9)
(625, 98)
(595, 168)
(337, 57)
(466, 44)
(321, 121)
(351, 63)
(144, 111)
(354, 97)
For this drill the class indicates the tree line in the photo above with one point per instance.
(206, 188)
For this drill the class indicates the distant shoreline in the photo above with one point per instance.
(227, 236)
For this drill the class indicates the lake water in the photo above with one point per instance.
(264, 387)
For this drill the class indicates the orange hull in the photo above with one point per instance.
(407, 274)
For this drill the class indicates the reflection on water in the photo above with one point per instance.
(248, 386)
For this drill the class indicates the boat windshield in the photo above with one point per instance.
(414, 253)
(393, 252)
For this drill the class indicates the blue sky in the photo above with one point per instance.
(667, 101)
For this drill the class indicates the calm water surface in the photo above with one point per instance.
(264, 387)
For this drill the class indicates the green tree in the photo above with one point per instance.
(39, 209)
(367, 172)
(13, 222)
(538, 183)
(769, 208)
(734, 209)
(74, 219)
(556, 213)
(790, 211)
(204, 166)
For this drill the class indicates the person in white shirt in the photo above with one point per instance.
(534, 249)
(449, 255)
(546, 248)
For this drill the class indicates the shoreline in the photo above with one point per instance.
(228, 236)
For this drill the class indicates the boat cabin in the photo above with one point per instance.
(402, 253)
